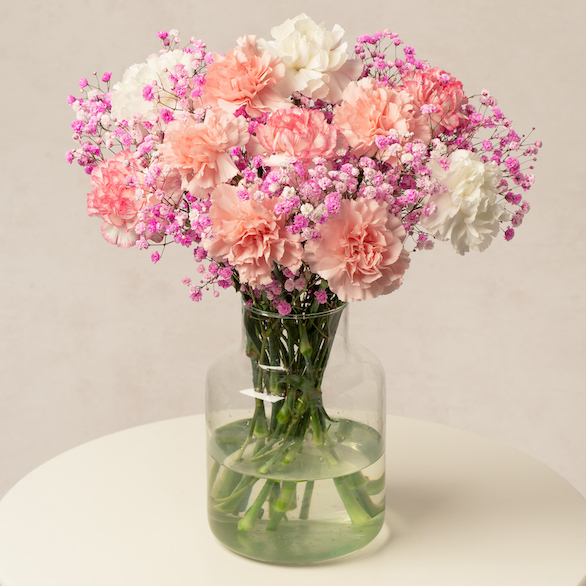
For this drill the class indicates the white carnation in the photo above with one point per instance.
(317, 65)
(467, 209)
(127, 99)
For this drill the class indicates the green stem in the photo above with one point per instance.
(357, 514)
(292, 452)
(243, 503)
(213, 473)
(289, 358)
(259, 406)
(364, 500)
(251, 515)
(230, 503)
(273, 496)
(270, 447)
(316, 427)
(225, 484)
(281, 450)
(356, 480)
(258, 446)
(264, 469)
(307, 493)
(329, 455)
(358, 484)
(376, 486)
(286, 501)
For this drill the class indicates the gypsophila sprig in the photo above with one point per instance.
(301, 183)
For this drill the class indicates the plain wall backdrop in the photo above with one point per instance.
(94, 339)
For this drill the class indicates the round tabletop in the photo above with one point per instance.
(129, 509)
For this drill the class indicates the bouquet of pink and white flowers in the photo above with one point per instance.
(294, 173)
(304, 178)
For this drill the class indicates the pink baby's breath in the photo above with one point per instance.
(283, 308)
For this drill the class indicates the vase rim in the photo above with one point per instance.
(294, 316)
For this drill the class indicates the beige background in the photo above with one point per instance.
(95, 339)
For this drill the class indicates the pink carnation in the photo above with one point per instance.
(245, 76)
(298, 133)
(368, 111)
(199, 150)
(114, 200)
(360, 252)
(249, 235)
(437, 88)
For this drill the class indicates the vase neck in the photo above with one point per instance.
(335, 321)
(293, 343)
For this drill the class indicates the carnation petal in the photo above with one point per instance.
(119, 236)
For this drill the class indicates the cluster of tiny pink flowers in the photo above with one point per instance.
(214, 276)
(372, 50)
(303, 291)
(91, 128)
(310, 194)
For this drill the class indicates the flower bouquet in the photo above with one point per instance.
(304, 178)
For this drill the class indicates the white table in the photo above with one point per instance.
(129, 510)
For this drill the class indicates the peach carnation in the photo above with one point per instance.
(200, 150)
(298, 133)
(437, 88)
(360, 252)
(245, 76)
(368, 110)
(250, 236)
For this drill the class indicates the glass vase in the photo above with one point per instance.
(295, 422)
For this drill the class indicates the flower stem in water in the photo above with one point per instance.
(307, 493)
(251, 515)
(286, 501)
(357, 514)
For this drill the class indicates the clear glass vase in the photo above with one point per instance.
(295, 421)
